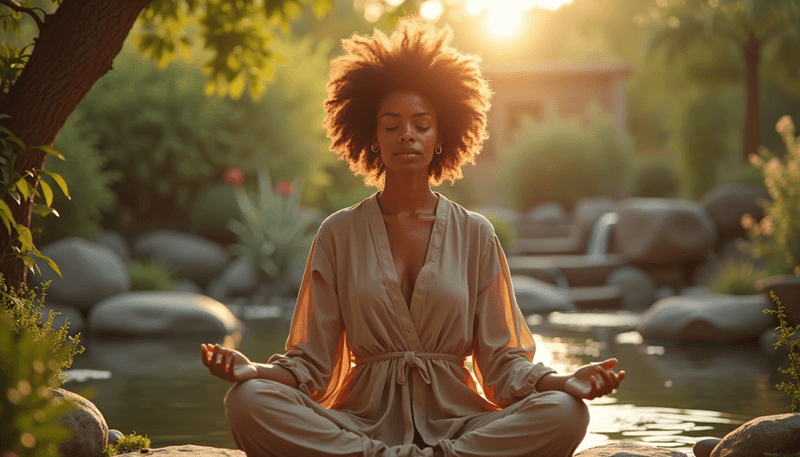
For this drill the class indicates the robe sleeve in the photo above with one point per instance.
(504, 348)
(316, 349)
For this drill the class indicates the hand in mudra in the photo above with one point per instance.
(594, 380)
(227, 364)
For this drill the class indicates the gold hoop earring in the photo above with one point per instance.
(437, 150)
(374, 149)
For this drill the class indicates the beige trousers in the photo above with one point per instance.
(269, 419)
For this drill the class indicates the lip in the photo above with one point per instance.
(408, 152)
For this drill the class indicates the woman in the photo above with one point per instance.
(402, 288)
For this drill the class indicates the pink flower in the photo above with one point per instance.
(754, 159)
(285, 188)
(785, 124)
(233, 176)
(773, 166)
(747, 221)
(766, 225)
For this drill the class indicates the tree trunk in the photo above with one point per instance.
(75, 47)
(752, 121)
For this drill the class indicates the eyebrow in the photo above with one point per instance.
(424, 113)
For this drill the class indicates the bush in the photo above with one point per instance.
(89, 183)
(32, 357)
(736, 277)
(211, 210)
(776, 238)
(656, 179)
(128, 443)
(150, 275)
(559, 160)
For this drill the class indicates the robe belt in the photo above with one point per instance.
(409, 359)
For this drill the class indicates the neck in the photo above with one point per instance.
(407, 194)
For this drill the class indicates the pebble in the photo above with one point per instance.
(704, 447)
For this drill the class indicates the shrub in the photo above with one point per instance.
(784, 335)
(212, 209)
(736, 277)
(273, 232)
(89, 183)
(776, 238)
(506, 232)
(545, 158)
(150, 275)
(32, 357)
(656, 179)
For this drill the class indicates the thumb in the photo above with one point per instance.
(608, 364)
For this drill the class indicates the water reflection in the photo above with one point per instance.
(673, 395)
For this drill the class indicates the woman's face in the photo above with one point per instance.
(407, 132)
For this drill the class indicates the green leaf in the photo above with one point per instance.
(60, 181)
(6, 131)
(44, 211)
(49, 261)
(47, 191)
(29, 262)
(25, 237)
(16, 141)
(24, 188)
(15, 196)
(5, 116)
(6, 215)
(52, 151)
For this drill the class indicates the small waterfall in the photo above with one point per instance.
(599, 239)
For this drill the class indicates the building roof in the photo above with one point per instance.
(558, 68)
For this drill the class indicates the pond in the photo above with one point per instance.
(673, 395)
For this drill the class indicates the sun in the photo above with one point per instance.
(504, 18)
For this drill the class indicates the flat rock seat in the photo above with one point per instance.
(596, 297)
(548, 246)
(578, 270)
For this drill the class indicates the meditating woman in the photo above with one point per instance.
(404, 290)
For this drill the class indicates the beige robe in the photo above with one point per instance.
(384, 368)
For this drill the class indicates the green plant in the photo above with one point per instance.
(21, 191)
(736, 277)
(150, 275)
(505, 231)
(32, 358)
(273, 232)
(90, 183)
(128, 443)
(784, 335)
(545, 157)
(776, 238)
(655, 179)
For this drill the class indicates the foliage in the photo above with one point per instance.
(776, 238)
(90, 183)
(736, 277)
(128, 443)
(707, 135)
(657, 178)
(170, 141)
(273, 232)
(210, 211)
(784, 335)
(25, 309)
(19, 188)
(545, 158)
(150, 275)
(32, 357)
(505, 231)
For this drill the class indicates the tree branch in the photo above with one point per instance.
(20, 9)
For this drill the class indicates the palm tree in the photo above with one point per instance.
(748, 25)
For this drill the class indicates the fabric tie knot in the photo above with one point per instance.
(410, 360)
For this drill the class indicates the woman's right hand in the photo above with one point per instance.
(227, 364)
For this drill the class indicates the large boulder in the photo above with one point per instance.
(727, 203)
(116, 242)
(638, 287)
(535, 296)
(787, 289)
(89, 427)
(90, 272)
(189, 255)
(162, 313)
(777, 433)
(548, 213)
(239, 278)
(586, 213)
(660, 232)
(706, 318)
(629, 450)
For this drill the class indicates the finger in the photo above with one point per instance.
(608, 363)
(223, 358)
(204, 354)
(217, 356)
(607, 385)
(230, 372)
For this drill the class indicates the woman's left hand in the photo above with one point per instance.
(594, 380)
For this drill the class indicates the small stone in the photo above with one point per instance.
(704, 447)
(114, 436)
(144, 450)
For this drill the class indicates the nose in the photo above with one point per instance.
(406, 135)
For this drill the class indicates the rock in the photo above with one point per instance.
(777, 433)
(90, 272)
(706, 318)
(551, 213)
(198, 451)
(65, 313)
(629, 450)
(191, 256)
(704, 447)
(162, 313)
(89, 428)
(662, 233)
(535, 296)
(638, 287)
(664, 292)
(114, 436)
(727, 203)
(787, 289)
(239, 278)
(116, 242)
(696, 290)
(186, 285)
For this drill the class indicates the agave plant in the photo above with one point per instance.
(273, 234)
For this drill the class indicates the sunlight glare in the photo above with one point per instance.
(504, 22)
(395, 3)
(504, 17)
(431, 10)
(373, 12)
